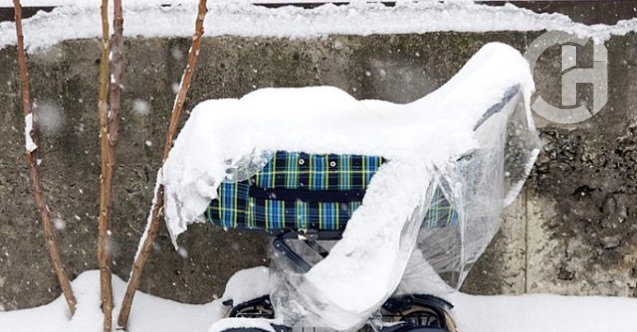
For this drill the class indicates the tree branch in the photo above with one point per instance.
(107, 153)
(117, 70)
(31, 145)
(158, 203)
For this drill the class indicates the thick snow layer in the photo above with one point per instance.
(237, 322)
(367, 264)
(247, 284)
(149, 313)
(547, 313)
(331, 121)
(527, 313)
(240, 18)
(25, 3)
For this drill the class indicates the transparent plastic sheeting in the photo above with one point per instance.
(247, 166)
(468, 140)
(479, 185)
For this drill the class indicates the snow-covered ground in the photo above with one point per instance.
(148, 314)
(75, 19)
(526, 313)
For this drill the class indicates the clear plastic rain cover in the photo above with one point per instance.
(469, 145)
(478, 184)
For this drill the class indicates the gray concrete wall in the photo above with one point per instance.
(572, 231)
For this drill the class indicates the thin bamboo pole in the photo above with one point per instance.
(104, 232)
(30, 117)
(158, 203)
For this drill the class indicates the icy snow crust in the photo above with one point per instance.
(76, 20)
(418, 138)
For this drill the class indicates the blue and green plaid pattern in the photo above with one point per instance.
(441, 212)
(294, 170)
(321, 176)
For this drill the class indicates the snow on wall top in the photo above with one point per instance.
(77, 19)
(25, 3)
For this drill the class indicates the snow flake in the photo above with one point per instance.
(177, 54)
(51, 117)
(59, 224)
(141, 107)
(182, 252)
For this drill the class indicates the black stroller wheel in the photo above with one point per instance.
(423, 317)
(418, 312)
(258, 308)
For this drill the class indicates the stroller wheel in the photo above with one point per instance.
(245, 329)
(418, 313)
(260, 307)
(408, 327)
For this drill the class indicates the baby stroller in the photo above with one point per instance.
(366, 230)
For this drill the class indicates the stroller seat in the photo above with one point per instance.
(299, 194)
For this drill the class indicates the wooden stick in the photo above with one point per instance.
(31, 133)
(157, 209)
(117, 71)
(104, 232)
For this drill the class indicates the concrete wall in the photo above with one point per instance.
(572, 231)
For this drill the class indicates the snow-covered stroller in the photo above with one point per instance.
(376, 209)
(307, 199)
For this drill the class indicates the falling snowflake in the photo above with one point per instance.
(141, 107)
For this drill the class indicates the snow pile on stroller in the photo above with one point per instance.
(413, 193)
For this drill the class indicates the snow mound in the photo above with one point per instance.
(149, 313)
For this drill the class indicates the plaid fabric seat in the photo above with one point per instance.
(299, 191)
